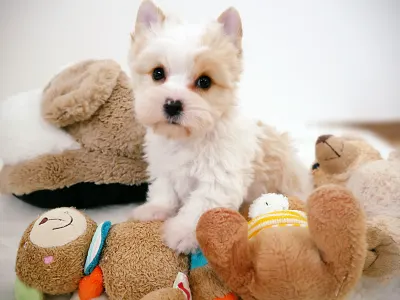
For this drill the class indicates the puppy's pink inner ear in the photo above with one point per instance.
(148, 14)
(231, 22)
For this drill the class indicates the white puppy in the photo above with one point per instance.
(202, 152)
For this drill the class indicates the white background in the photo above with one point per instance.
(304, 59)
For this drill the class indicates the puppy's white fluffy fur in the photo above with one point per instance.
(210, 155)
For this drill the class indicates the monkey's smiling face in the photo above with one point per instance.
(58, 227)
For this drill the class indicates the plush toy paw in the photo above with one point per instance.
(179, 235)
(151, 212)
(383, 255)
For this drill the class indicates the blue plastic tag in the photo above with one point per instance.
(96, 246)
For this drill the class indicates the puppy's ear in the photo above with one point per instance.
(148, 15)
(77, 92)
(232, 25)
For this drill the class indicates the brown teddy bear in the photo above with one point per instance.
(355, 164)
(286, 254)
(64, 250)
(352, 162)
(339, 157)
(91, 104)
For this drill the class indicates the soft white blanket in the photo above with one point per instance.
(15, 216)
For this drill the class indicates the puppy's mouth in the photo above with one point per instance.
(175, 120)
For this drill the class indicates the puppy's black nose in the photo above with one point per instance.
(173, 108)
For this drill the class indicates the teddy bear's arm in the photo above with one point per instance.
(223, 238)
(337, 226)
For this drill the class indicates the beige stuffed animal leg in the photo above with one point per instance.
(65, 169)
(47, 171)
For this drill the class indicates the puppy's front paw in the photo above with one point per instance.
(151, 212)
(179, 235)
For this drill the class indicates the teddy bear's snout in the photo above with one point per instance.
(323, 138)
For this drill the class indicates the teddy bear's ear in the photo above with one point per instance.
(77, 92)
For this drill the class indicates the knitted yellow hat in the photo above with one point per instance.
(272, 210)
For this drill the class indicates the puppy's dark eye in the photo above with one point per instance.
(266, 203)
(203, 82)
(158, 74)
(315, 166)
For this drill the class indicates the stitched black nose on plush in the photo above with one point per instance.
(173, 108)
(323, 138)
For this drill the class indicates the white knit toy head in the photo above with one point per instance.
(268, 203)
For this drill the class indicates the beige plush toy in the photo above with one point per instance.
(64, 251)
(376, 183)
(76, 143)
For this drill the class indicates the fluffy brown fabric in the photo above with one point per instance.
(63, 275)
(205, 284)
(165, 294)
(77, 93)
(135, 262)
(276, 156)
(296, 204)
(322, 262)
(93, 102)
